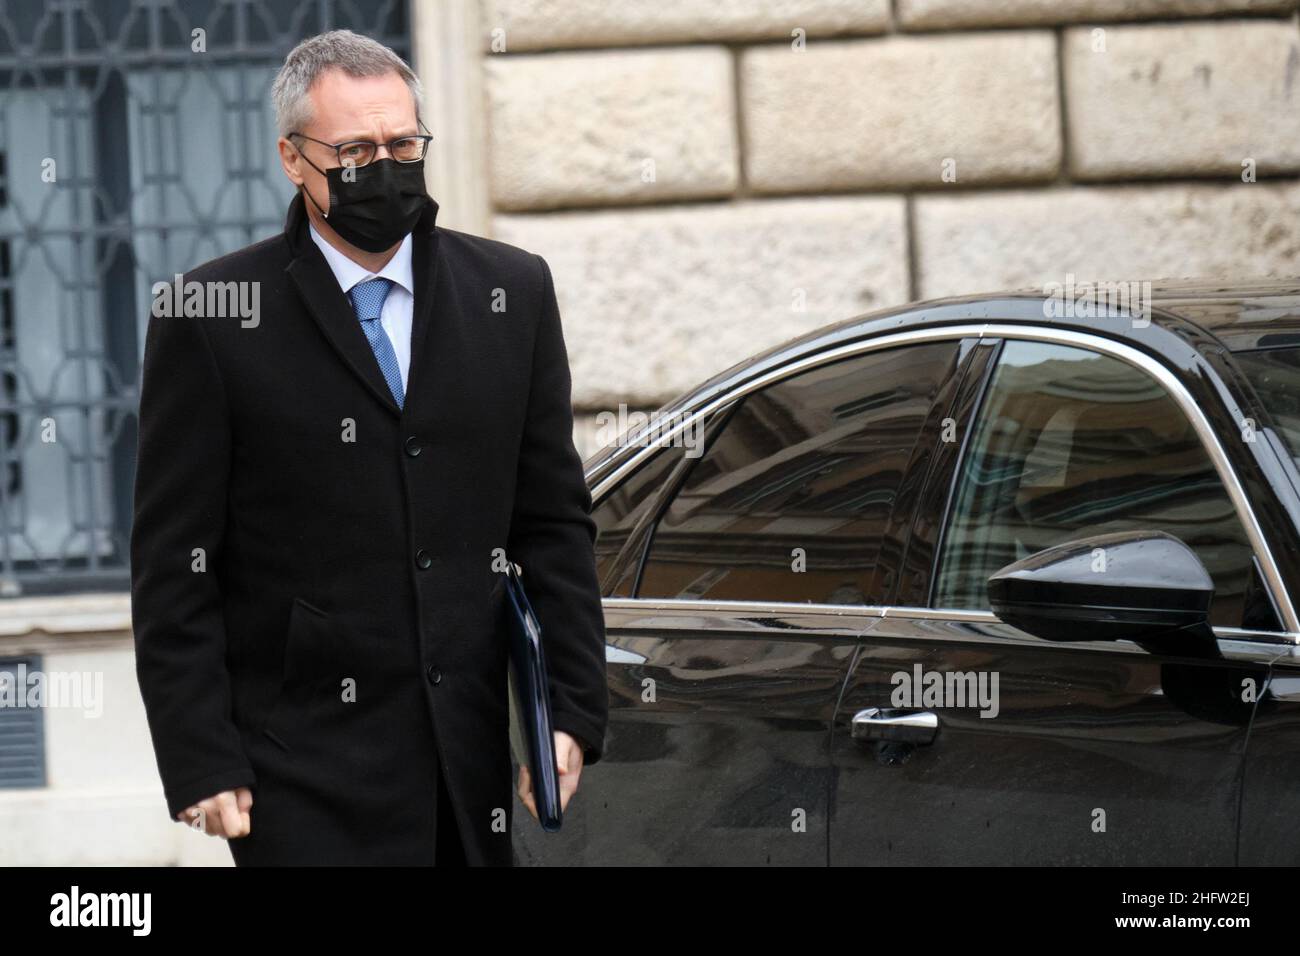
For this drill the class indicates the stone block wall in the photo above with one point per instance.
(710, 177)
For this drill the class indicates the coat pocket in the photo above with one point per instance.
(308, 644)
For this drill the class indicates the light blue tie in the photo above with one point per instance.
(368, 301)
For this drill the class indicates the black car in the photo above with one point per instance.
(961, 583)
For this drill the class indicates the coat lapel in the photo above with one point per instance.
(329, 306)
(424, 267)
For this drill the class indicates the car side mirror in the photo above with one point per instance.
(1144, 586)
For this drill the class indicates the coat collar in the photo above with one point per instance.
(333, 314)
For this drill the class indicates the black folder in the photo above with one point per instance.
(532, 692)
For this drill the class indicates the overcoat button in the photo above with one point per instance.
(413, 447)
(434, 675)
(422, 560)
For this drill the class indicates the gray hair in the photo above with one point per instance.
(354, 54)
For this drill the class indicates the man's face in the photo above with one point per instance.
(344, 108)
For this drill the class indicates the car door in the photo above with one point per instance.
(1270, 825)
(747, 585)
(1021, 750)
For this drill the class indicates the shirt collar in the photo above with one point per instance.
(349, 273)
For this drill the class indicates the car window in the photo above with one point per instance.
(618, 512)
(1275, 376)
(791, 498)
(1070, 443)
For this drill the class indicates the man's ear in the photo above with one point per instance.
(289, 160)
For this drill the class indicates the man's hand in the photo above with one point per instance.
(224, 815)
(568, 760)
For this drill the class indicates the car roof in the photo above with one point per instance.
(1185, 316)
(1261, 314)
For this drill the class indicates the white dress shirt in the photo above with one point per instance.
(399, 307)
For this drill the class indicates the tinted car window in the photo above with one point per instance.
(1275, 376)
(622, 508)
(1070, 443)
(790, 500)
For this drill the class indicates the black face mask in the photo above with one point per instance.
(377, 204)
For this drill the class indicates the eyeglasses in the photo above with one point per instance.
(360, 152)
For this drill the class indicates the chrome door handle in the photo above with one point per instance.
(907, 727)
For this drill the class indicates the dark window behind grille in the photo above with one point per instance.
(161, 158)
(22, 728)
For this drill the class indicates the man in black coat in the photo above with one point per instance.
(328, 486)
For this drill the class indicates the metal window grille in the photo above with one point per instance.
(136, 141)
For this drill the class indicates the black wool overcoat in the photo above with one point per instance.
(315, 572)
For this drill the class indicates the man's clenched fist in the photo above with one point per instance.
(224, 815)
